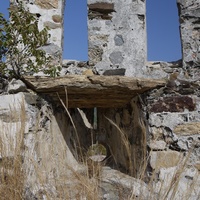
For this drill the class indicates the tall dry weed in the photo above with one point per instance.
(11, 151)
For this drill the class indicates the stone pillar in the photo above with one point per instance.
(50, 14)
(189, 13)
(117, 37)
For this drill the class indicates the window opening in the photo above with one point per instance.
(163, 31)
(75, 30)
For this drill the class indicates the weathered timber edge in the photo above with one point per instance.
(92, 91)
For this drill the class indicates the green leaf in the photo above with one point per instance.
(19, 42)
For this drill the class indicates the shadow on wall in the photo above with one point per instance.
(77, 138)
(120, 130)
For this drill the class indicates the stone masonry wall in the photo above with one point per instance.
(174, 119)
(32, 129)
(173, 112)
(173, 137)
(117, 46)
(117, 37)
(50, 14)
(189, 12)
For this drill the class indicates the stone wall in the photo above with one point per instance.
(189, 12)
(161, 125)
(50, 14)
(173, 139)
(30, 129)
(174, 109)
(117, 37)
(173, 121)
(173, 112)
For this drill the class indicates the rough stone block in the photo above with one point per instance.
(47, 4)
(164, 159)
(102, 7)
(10, 107)
(57, 18)
(51, 25)
(92, 91)
(157, 133)
(197, 165)
(187, 129)
(187, 142)
(173, 104)
(157, 145)
(116, 185)
(185, 180)
(16, 86)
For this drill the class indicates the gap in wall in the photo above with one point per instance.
(163, 34)
(162, 30)
(75, 30)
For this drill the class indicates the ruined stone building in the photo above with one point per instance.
(144, 113)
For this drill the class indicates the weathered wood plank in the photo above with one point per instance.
(93, 91)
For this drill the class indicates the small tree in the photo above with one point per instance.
(20, 40)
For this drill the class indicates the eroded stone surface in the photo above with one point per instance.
(188, 142)
(157, 145)
(16, 86)
(116, 185)
(187, 129)
(51, 25)
(185, 179)
(57, 18)
(124, 23)
(93, 91)
(164, 159)
(197, 165)
(189, 22)
(173, 104)
(47, 4)
(50, 14)
(29, 128)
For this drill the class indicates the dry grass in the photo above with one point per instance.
(11, 151)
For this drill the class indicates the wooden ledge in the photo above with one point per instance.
(92, 91)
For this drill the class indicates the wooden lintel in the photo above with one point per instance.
(92, 91)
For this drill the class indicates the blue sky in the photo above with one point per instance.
(162, 29)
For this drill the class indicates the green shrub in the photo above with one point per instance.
(20, 40)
